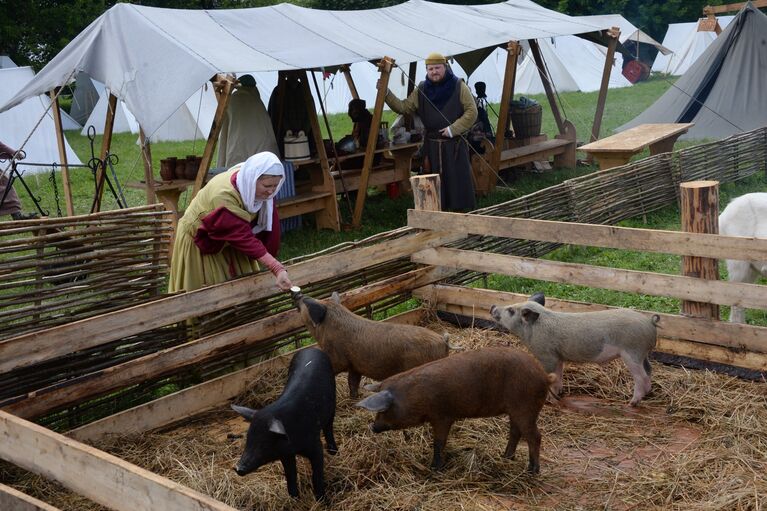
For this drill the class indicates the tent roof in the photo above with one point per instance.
(155, 58)
(686, 44)
(723, 91)
(628, 30)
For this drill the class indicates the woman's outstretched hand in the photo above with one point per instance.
(283, 281)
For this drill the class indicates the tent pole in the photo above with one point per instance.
(385, 67)
(612, 35)
(546, 79)
(106, 144)
(55, 108)
(328, 218)
(146, 152)
(509, 77)
(412, 70)
(282, 78)
(350, 81)
(226, 84)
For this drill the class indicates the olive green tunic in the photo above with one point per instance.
(190, 269)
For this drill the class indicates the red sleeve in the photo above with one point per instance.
(271, 239)
(222, 226)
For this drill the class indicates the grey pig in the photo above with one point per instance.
(601, 336)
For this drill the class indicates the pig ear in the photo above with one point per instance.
(379, 402)
(538, 297)
(248, 413)
(276, 426)
(529, 315)
(336, 297)
(316, 310)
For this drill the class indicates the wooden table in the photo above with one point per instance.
(395, 170)
(617, 150)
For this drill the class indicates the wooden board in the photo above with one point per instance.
(607, 236)
(637, 138)
(188, 402)
(42, 401)
(476, 303)
(655, 284)
(13, 500)
(36, 347)
(101, 477)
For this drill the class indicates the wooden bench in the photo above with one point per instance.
(562, 148)
(617, 150)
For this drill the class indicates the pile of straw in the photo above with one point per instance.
(698, 441)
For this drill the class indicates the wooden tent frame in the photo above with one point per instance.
(115, 483)
(323, 201)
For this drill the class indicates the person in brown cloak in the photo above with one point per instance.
(447, 109)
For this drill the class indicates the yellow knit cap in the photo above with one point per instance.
(435, 58)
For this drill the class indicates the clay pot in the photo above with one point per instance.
(192, 165)
(180, 172)
(168, 168)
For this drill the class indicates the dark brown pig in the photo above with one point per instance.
(480, 383)
(364, 347)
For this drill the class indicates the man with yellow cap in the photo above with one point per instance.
(447, 109)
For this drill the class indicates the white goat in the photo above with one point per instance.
(745, 216)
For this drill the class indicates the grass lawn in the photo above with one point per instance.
(382, 213)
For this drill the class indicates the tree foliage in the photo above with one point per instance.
(33, 31)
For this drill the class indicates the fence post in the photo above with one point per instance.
(426, 192)
(700, 213)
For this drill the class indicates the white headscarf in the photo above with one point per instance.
(259, 164)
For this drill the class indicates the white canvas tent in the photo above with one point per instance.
(723, 91)
(5, 61)
(17, 123)
(143, 65)
(686, 44)
(85, 97)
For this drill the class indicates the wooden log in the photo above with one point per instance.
(350, 81)
(607, 236)
(225, 85)
(194, 400)
(99, 476)
(146, 158)
(476, 303)
(426, 192)
(329, 217)
(700, 213)
(685, 288)
(12, 499)
(60, 143)
(106, 144)
(546, 80)
(154, 365)
(35, 347)
(613, 34)
(507, 94)
(385, 67)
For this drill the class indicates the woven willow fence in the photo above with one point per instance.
(59, 270)
(602, 198)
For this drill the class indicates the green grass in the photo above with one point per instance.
(382, 213)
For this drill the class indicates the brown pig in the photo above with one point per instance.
(479, 383)
(364, 347)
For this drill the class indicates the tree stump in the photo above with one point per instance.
(700, 213)
(426, 192)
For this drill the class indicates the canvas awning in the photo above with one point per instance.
(155, 58)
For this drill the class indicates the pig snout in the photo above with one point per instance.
(241, 471)
(495, 312)
(376, 427)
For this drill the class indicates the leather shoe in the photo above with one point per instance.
(23, 216)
